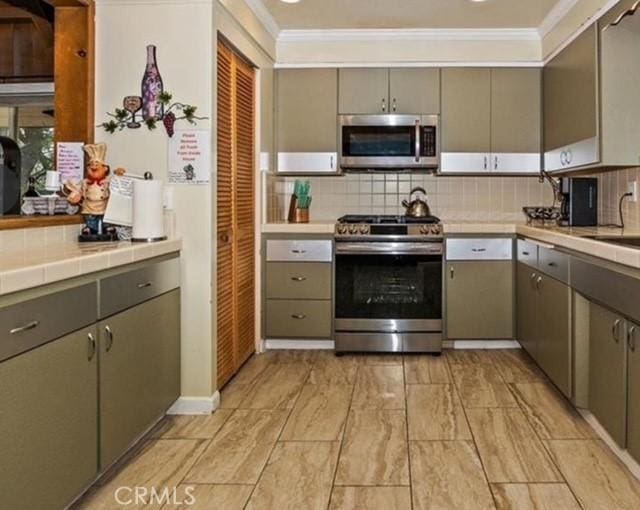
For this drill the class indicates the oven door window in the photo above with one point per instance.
(378, 141)
(388, 286)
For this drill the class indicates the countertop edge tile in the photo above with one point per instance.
(72, 260)
(319, 227)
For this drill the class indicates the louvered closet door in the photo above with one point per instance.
(235, 199)
(244, 209)
(225, 298)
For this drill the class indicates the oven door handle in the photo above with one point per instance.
(367, 248)
(417, 141)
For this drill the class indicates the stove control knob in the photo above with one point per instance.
(353, 229)
(341, 229)
(424, 229)
(364, 229)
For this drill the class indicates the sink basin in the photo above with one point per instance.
(628, 241)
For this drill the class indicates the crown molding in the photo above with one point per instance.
(596, 16)
(418, 34)
(410, 63)
(265, 17)
(555, 16)
(150, 2)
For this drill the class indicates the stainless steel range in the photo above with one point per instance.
(388, 284)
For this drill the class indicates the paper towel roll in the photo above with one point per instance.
(148, 216)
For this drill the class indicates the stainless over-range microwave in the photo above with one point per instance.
(389, 142)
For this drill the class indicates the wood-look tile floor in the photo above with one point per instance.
(309, 430)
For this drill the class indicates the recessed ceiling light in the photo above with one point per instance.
(296, 1)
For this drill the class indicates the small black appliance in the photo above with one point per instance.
(579, 201)
(10, 168)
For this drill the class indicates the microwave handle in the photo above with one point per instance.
(417, 143)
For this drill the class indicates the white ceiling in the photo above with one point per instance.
(380, 14)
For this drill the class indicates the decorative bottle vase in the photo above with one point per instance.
(152, 87)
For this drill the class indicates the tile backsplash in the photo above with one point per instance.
(450, 198)
(611, 186)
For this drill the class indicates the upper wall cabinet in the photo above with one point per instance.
(396, 90)
(414, 90)
(491, 120)
(363, 91)
(306, 127)
(591, 105)
(570, 104)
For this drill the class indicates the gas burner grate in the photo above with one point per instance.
(387, 219)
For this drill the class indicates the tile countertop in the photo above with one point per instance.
(573, 238)
(566, 237)
(313, 227)
(328, 226)
(27, 268)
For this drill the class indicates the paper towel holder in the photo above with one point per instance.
(148, 176)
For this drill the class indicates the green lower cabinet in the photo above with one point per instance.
(479, 299)
(553, 347)
(298, 319)
(633, 400)
(527, 308)
(139, 371)
(48, 423)
(607, 371)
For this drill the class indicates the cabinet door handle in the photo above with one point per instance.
(495, 163)
(298, 252)
(478, 250)
(452, 272)
(331, 163)
(393, 107)
(631, 338)
(552, 264)
(384, 104)
(525, 253)
(26, 327)
(298, 278)
(538, 282)
(109, 333)
(92, 346)
(145, 285)
(486, 162)
(615, 330)
(298, 316)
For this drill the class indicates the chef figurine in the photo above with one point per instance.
(93, 194)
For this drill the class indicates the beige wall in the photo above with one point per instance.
(450, 198)
(185, 34)
(182, 32)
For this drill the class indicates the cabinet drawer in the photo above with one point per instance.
(554, 264)
(29, 324)
(281, 250)
(527, 253)
(479, 249)
(298, 319)
(128, 289)
(296, 280)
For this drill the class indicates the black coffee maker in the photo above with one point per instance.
(579, 201)
(10, 170)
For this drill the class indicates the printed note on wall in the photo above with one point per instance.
(189, 156)
(70, 161)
